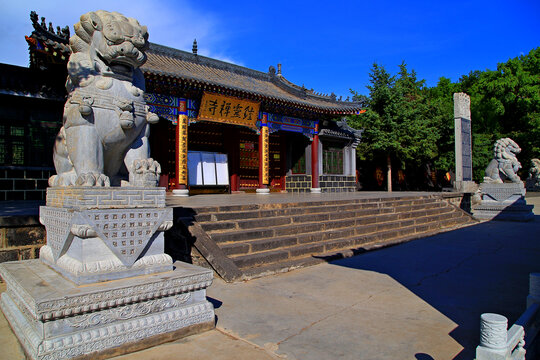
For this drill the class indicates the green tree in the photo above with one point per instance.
(441, 100)
(397, 125)
(505, 103)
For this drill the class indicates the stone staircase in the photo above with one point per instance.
(261, 239)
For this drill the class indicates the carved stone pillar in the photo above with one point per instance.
(463, 143)
(493, 331)
(534, 289)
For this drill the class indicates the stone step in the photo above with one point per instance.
(301, 216)
(244, 241)
(213, 214)
(318, 258)
(234, 208)
(402, 227)
(322, 215)
(322, 249)
(348, 232)
(292, 226)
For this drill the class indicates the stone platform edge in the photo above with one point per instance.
(83, 197)
(55, 319)
(86, 298)
(113, 339)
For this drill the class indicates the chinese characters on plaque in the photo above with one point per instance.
(182, 149)
(228, 110)
(265, 155)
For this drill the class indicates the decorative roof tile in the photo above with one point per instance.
(341, 130)
(199, 72)
(197, 69)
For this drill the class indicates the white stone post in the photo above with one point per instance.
(493, 331)
(534, 289)
(493, 337)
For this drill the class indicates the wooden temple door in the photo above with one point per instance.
(277, 161)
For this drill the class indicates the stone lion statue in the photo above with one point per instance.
(104, 138)
(533, 181)
(505, 165)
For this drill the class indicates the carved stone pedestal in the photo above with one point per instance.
(503, 202)
(469, 187)
(99, 234)
(55, 319)
(103, 284)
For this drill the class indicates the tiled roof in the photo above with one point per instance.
(46, 41)
(22, 81)
(202, 72)
(341, 130)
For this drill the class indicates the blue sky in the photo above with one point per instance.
(328, 46)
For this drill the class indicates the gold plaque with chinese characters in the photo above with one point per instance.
(265, 155)
(182, 149)
(229, 110)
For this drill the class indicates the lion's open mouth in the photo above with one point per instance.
(121, 68)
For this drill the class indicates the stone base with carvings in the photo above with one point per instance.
(466, 186)
(55, 319)
(101, 234)
(503, 202)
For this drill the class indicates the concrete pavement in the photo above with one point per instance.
(420, 300)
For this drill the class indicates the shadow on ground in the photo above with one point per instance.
(464, 273)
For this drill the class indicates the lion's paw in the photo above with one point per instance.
(92, 179)
(145, 173)
(63, 179)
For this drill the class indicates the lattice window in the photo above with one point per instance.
(333, 161)
(17, 131)
(299, 166)
(17, 148)
(3, 151)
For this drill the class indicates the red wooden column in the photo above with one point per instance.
(232, 144)
(315, 161)
(181, 149)
(264, 157)
(283, 159)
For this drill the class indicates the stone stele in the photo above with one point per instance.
(103, 284)
(463, 144)
(503, 192)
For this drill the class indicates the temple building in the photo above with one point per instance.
(223, 128)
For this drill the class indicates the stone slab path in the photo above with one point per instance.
(419, 300)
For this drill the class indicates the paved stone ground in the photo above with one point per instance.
(420, 300)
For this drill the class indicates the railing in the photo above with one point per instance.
(498, 343)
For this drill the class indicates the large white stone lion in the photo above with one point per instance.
(104, 138)
(505, 164)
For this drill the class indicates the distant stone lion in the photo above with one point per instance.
(533, 181)
(104, 138)
(505, 164)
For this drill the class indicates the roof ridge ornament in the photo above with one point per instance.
(194, 49)
(60, 35)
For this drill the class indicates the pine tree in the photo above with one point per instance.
(396, 124)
